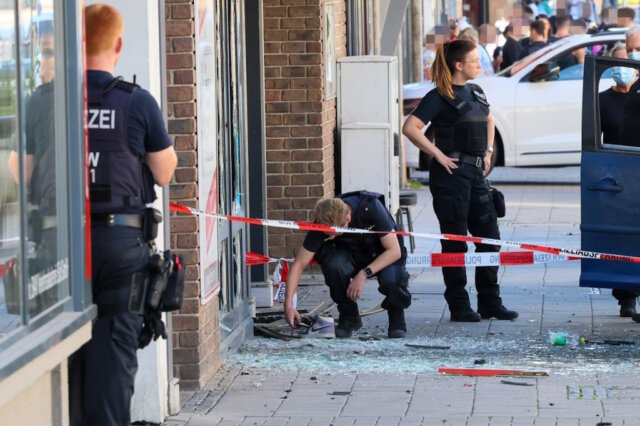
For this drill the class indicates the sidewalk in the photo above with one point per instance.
(370, 379)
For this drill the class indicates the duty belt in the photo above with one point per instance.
(130, 220)
(472, 160)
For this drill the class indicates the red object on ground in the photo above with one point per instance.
(488, 372)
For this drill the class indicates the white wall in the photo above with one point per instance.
(141, 56)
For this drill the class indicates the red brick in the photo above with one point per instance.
(186, 174)
(274, 11)
(306, 131)
(294, 71)
(185, 142)
(304, 35)
(277, 107)
(305, 59)
(313, 23)
(186, 158)
(294, 95)
(304, 11)
(314, 71)
(274, 192)
(186, 356)
(272, 47)
(296, 168)
(304, 203)
(306, 107)
(307, 83)
(276, 35)
(314, 118)
(279, 204)
(275, 143)
(182, 126)
(296, 143)
(278, 132)
(183, 224)
(181, 93)
(271, 60)
(183, 44)
(188, 372)
(272, 72)
(275, 168)
(181, 191)
(190, 306)
(178, 28)
(306, 155)
(316, 191)
(306, 179)
(273, 119)
(184, 110)
(280, 180)
(182, 11)
(316, 168)
(278, 155)
(314, 47)
(271, 23)
(187, 241)
(185, 322)
(294, 215)
(295, 240)
(272, 95)
(294, 47)
(277, 83)
(296, 191)
(293, 24)
(293, 2)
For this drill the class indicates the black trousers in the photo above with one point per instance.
(102, 372)
(463, 202)
(626, 298)
(339, 266)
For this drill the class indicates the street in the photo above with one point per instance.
(370, 379)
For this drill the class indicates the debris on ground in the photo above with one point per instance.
(509, 382)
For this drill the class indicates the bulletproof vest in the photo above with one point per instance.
(469, 132)
(361, 219)
(42, 187)
(116, 175)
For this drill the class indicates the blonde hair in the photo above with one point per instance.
(104, 25)
(331, 211)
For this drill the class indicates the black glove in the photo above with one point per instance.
(152, 327)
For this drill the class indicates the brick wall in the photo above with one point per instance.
(300, 123)
(195, 327)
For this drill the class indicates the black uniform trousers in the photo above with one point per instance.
(462, 201)
(626, 298)
(102, 372)
(339, 266)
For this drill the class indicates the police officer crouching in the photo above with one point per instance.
(464, 131)
(348, 260)
(130, 150)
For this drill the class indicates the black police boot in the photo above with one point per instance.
(635, 317)
(347, 325)
(397, 326)
(465, 315)
(498, 312)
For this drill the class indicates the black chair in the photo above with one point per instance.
(407, 200)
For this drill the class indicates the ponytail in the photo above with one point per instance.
(447, 55)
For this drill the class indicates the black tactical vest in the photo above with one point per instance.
(469, 132)
(361, 219)
(118, 181)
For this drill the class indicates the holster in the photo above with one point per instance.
(152, 217)
(498, 202)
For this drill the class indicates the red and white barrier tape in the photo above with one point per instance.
(446, 260)
(305, 226)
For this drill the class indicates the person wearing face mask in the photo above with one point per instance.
(630, 124)
(348, 260)
(464, 134)
(612, 105)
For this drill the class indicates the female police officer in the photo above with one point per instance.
(464, 132)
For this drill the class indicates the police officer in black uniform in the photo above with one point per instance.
(348, 260)
(464, 131)
(130, 150)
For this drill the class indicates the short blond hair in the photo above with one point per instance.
(332, 211)
(103, 26)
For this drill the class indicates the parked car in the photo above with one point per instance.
(536, 104)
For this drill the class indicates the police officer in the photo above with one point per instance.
(463, 126)
(130, 150)
(40, 174)
(348, 260)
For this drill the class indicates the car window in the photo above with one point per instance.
(574, 72)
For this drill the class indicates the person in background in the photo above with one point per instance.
(537, 38)
(485, 60)
(626, 17)
(511, 48)
(563, 28)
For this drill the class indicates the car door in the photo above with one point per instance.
(609, 188)
(548, 113)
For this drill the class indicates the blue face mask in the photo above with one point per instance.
(623, 75)
(634, 56)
